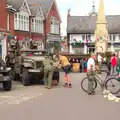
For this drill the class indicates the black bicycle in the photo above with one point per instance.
(109, 83)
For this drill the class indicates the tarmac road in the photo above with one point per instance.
(37, 103)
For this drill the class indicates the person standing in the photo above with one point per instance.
(99, 58)
(48, 72)
(118, 65)
(113, 64)
(66, 68)
(82, 65)
(90, 73)
(2, 64)
(85, 64)
(7, 59)
(17, 67)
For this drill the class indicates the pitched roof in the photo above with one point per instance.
(87, 24)
(45, 4)
(15, 3)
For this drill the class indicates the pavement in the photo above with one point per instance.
(35, 102)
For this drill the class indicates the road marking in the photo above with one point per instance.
(25, 98)
(12, 98)
(6, 97)
(18, 99)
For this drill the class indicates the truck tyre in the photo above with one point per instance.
(13, 75)
(7, 85)
(25, 77)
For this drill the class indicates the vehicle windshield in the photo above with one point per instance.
(31, 53)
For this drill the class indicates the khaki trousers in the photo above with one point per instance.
(91, 78)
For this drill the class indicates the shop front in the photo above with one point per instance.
(53, 44)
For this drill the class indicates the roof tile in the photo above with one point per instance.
(87, 24)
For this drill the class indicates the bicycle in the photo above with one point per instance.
(111, 84)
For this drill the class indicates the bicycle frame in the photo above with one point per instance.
(100, 81)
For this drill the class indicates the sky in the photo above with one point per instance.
(83, 7)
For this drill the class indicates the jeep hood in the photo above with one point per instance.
(35, 58)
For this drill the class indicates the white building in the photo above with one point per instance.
(81, 32)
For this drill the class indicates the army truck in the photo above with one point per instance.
(29, 66)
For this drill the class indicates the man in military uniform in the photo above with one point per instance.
(17, 67)
(2, 63)
(7, 59)
(48, 71)
(90, 73)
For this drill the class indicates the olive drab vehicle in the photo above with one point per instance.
(5, 76)
(27, 63)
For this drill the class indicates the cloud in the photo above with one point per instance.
(83, 7)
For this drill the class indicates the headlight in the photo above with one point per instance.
(1, 68)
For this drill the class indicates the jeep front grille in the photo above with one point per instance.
(39, 64)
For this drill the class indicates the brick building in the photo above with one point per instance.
(3, 28)
(31, 20)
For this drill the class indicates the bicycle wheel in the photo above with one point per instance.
(84, 84)
(113, 85)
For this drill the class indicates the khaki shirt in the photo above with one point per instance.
(48, 64)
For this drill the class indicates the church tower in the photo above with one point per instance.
(93, 12)
(101, 32)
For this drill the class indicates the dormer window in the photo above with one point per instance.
(21, 22)
(37, 25)
(54, 26)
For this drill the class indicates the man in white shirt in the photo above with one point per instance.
(99, 63)
(90, 73)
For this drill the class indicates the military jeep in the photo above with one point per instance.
(32, 66)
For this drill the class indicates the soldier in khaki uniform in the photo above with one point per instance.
(17, 67)
(2, 63)
(90, 73)
(48, 72)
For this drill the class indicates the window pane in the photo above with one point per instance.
(89, 37)
(15, 15)
(19, 23)
(83, 37)
(21, 17)
(114, 37)
(24, 25)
